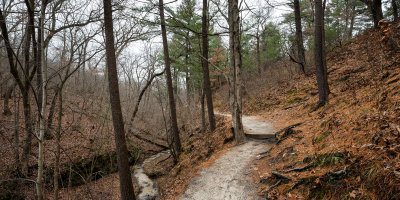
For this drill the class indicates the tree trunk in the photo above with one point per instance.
(43, 110)
(7, 97)
(24, 88)
(395, 10)
(235, 65)
(206, 71)
(49, 129)
(327, 90)
(39, 65)
(126, 186)
(27, 107)
(203, 112)
(176, 141)
(26, 151)
(353, 16)
(187, 78)
(346, 20)
(16, 131)
(58, 146)
(299, 37)
(319, 63)
(258, 52)
(376, 10)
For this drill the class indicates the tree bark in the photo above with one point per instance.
(49, 129)
(299, 37)
(258, 52)
(326, 85)
(395, 10)
(16, 131)
(58, 146)
(7, 97)
(126, 186)
(235, 65)
(203, 114)
(319, 55)
(176, 141)
(353, 15)
(43, 110)
(187, 78)
(206, 71)
(23, 85)
(375, 7)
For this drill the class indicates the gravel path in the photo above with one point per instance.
(229, 176)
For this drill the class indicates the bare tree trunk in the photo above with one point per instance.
(258, 52)
(353, 15)
(26, 102)
(26, 151)
(187, 78)
(43, 110)
(176, 141)
(206, 71)
(319, 63)
(299, 37)
(236, 64)
(16, 131)
(395, 10)
(7, 97)
(23, 86)
(58, 146)
(126, 186)
(49, 129)
(375, 7)
(203, 112)
(326, 85)
(346, 20)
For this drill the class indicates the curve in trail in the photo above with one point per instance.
(228, 177)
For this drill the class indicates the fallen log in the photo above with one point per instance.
(164, 147)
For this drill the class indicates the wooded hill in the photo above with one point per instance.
(347, 149)
(91, 90)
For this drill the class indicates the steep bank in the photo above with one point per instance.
(348, 149)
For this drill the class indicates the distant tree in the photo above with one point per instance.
(176, 141)
(271, 42)
(125, 180)
(259, 18)
(319, 55)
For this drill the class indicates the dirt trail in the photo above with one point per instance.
(228, 177)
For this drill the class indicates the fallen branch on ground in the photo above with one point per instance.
(149, 141)
(270, 188)
(280, 176)
(300, 169)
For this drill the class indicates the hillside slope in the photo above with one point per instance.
(348, 149)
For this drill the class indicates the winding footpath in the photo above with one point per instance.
(229, 176)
